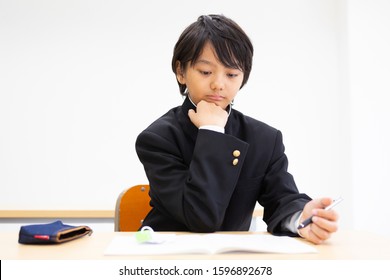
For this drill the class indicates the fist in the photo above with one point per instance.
(208, 114)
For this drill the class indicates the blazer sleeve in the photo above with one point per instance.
(280, 196)
(195, 194)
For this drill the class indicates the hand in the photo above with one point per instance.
(208, 114)
(324, 221)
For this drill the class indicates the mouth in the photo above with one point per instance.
(215, 98)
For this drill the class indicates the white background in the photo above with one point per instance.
(79, 80)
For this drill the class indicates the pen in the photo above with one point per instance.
(309, 220)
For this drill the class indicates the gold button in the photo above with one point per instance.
(235, 161)
(236, 153)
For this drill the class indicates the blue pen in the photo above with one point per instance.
(309, 220)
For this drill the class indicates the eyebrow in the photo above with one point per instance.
(204, 61)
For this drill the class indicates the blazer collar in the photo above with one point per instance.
(187, 105)
(185, 121)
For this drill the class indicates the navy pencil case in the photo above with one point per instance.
(51, 233)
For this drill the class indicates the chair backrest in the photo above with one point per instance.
(131, 208)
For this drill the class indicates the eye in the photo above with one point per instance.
(232, 75)
(205, 73)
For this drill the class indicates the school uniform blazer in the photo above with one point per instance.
(205, 181)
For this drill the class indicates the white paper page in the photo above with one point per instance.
(209, 244)
(178, 244)
(259, 243)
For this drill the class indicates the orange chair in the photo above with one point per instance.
(131, 208)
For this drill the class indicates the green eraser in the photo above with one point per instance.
(143, 236)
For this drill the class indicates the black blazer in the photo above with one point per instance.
(206, 181)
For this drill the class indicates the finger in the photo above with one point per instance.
(326, 214)
(312, 236)
(326, 201)
(320, 233)
(191, 112)
(193, 117)
(324, 224)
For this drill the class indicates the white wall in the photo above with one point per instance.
(76, 75)
(369, 76)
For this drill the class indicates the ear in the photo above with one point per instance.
(180, 73)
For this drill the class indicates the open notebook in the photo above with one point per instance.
(214, 243)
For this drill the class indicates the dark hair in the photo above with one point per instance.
(232, 46)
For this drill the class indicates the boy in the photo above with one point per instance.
(208, 164)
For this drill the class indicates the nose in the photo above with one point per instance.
(217, 83)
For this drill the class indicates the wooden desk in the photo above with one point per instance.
(344, 245)
(43, 214)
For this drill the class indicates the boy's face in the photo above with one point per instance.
(209, 80)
